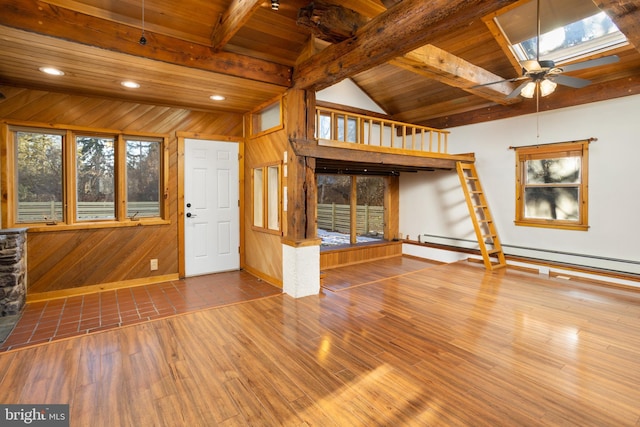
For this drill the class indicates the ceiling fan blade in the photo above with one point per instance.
(517, 90)
(569, 81)
(591, 63)
(531, 66)
(500, 81)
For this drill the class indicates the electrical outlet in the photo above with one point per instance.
(154, 264)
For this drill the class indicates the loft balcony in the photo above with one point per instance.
(347, 141)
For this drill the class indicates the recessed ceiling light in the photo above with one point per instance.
(217, 98)
(130, 84)
(51, 71)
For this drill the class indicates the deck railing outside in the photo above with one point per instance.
(377, 132)
(52, 211)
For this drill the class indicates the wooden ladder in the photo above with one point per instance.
(481, 216)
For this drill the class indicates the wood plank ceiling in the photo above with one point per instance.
(418, 60)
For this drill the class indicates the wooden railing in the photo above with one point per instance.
(377, 132)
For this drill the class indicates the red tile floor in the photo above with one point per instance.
(55, 319)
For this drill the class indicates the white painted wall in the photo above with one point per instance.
(433, 203)
(348, 93)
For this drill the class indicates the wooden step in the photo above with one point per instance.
(472, 189)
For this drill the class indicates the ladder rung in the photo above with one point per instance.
(481, 206)
(494, 251)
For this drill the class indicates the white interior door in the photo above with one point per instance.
(212, 215)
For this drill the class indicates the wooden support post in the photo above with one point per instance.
(301, 247)
(301, 186)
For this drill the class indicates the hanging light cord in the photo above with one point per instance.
(143, 39)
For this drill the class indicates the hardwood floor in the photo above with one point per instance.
(442, 345)
(50, 320)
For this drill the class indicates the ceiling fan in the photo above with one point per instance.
(542, 76)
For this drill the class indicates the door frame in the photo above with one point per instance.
(181, 214)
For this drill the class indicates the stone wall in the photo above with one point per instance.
(13, 271)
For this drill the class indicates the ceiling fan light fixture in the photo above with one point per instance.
(529, 90)
(547, 87)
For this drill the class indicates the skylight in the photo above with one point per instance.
(570, 30)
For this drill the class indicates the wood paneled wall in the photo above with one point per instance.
(359, 254)
(60, 260)
(262, 251)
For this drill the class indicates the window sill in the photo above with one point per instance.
(266, 230)
(552, 224)
(39, 228)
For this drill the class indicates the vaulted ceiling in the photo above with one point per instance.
(421, 62)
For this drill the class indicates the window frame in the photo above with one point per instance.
(353, 209)
(69, 181)
(256, 118)
(547, 21)
(553, 151)
(265, 204)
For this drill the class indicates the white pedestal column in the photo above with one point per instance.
(301, 270)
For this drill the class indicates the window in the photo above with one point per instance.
(143, 177)
(267, 118)
(95, 178)
(551, 185)
(569, 30)
(266, 198)
(331, 126)
(338, 224)
(66, 177)
(39, 176)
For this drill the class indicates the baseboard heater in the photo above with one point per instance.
(608, 264)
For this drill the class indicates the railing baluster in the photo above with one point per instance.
(367, 136)
(404, 137)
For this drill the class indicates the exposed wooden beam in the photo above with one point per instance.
(336, 23)
(330, 22)
(54, 21)
(312, 149)
(626, 15)
(452, 107)
(236, 15)
(435, 63)
(401, 29)
(389, 3)
(563, 97)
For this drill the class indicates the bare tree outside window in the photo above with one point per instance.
(143, 178)
(552, 200)
(552, 185)
(95, 177)
(39, 175)
(67, 177)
